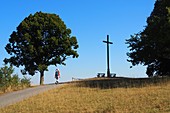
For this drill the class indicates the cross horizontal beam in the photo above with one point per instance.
(108, 42)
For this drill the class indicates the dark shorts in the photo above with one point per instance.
(56, 77)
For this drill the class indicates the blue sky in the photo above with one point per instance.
(90, 21)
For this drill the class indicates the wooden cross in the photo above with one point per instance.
(108, 69)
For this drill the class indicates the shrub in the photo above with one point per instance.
(10, 82)
(5, 77)
(26, 81)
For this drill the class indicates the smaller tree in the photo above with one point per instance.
(151, 47)
(5, 75)
(10, 81)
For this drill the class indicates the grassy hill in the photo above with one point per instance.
(117, 95)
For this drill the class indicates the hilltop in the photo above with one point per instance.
(95, 95)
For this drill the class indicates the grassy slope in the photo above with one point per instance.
(73, 98)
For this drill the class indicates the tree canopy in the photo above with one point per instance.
(151, 47)
(40, 40)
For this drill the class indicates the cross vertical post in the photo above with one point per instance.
(107, 42)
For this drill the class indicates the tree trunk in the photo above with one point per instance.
(42, 78)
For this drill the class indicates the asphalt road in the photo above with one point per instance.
(13, 97)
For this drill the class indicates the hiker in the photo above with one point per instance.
(57, 75)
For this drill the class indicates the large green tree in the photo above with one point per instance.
(151, 47)
(40, 40)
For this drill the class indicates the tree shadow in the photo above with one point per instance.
(120, 82)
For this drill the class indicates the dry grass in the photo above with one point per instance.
(13, 88)
(72, 98)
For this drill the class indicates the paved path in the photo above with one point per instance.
(13, 97)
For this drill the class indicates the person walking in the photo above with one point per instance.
(57, 75)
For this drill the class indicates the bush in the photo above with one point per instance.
(26, 81)
(10, 82)
(5, 77)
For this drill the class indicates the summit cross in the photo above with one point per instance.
(108, 69)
